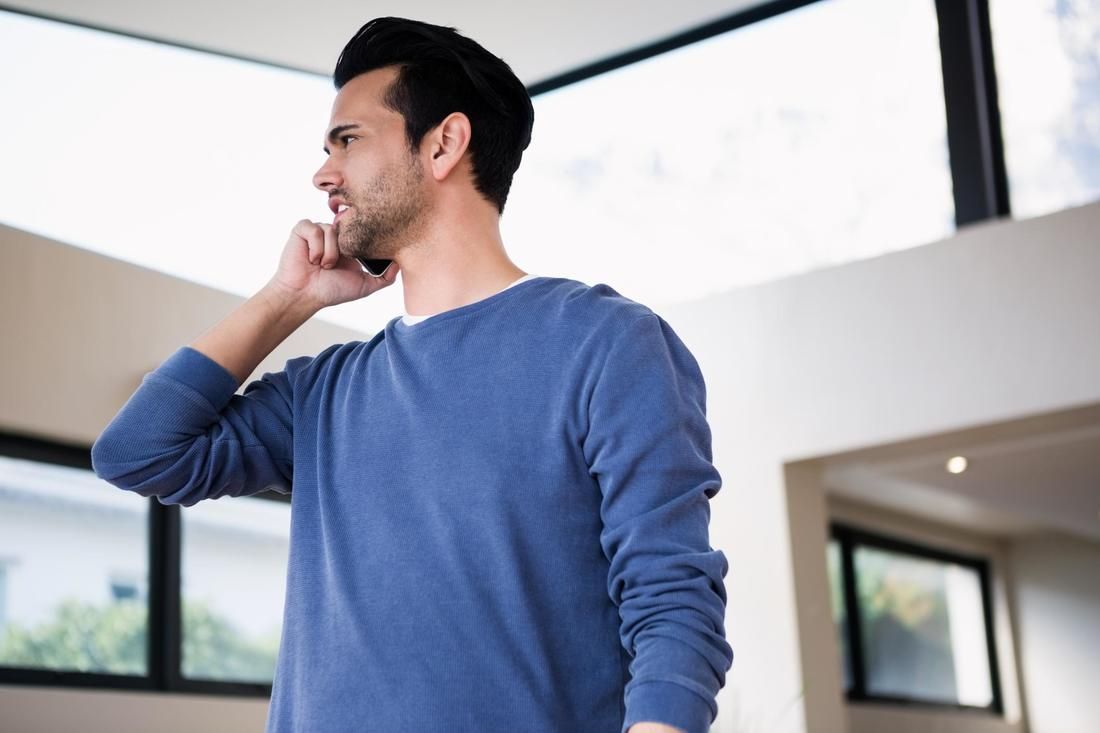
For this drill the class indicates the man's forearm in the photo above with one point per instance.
(244, 338)
(653, 728)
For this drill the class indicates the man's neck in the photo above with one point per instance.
(439, 291)
(458, 258)
(441, 276)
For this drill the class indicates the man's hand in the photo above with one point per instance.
(653, 728)
(312, 269)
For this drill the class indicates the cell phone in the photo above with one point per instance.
(376, 268)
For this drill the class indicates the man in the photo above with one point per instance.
(500, 501)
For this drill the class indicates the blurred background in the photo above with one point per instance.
(876, 224)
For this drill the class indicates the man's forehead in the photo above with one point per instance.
(362, 95)
(359, 109)
(361, 116)
(355, 109)
(358, 104)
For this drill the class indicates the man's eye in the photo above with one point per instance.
(344, 139)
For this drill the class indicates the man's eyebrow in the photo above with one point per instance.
(334, 133)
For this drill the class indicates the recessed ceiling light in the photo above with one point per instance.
(956, 464)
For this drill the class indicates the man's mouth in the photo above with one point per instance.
(340, 212)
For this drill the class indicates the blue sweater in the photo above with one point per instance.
(499, 516)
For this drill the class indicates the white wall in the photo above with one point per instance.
(1057, 600)
(988, 325)
(979, 328)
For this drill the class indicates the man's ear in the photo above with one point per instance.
(447, 143)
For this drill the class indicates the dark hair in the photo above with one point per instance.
(443, 72)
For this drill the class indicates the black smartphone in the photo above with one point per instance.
(374, 267)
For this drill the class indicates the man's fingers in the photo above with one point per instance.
(331, 254)
(314, 239)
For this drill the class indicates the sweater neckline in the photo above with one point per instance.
(398, 325)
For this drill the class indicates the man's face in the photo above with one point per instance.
(371, 169)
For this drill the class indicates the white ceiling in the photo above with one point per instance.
(1024, 476)
(538, 40)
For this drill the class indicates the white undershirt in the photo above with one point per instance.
(410, 320)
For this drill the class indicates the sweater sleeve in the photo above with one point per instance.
(185, 436)
(649, 446)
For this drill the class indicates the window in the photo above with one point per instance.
(79, 605)
(1048, 80)
(916, 620)
(62, 532)
(812, 138)
(3, 596)
(234, 562)
(126, 587)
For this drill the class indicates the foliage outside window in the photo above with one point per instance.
(914, 622)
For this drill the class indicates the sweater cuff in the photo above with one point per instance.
(658, 701)
(202, 374)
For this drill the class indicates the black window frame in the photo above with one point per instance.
(849, 537)
(164, 633)
(980, 187)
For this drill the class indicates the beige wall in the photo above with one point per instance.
(45, 710)
(79, 330)
(982, 327)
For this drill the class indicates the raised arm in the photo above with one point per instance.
(185, 435)
(312, 274)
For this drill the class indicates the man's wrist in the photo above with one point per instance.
(284, 302)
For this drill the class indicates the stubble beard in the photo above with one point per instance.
(394, 215)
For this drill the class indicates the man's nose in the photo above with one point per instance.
(326, 175)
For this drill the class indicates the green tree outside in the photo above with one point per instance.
(111, 639)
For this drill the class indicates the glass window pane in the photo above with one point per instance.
(1048, 85)
(234, 580)
(840, 615)
(923, 628)
(3, 595)
(68, 543)
(811, 139)
(157, 138)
